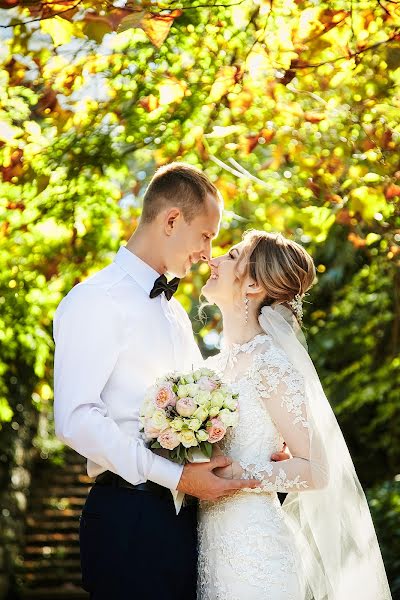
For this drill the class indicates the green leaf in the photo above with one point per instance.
(6, 412)
(206, 449)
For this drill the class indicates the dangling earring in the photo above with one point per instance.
(246, 304)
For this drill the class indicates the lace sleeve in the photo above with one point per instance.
(281, 389)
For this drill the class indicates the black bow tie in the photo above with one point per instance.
(161, 285)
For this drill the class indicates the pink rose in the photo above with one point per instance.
(206, 384)
(169, 439)
(186, 407)
(165, 397)
(216, 432)
(150, 431)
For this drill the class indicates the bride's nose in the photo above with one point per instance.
(213, 262)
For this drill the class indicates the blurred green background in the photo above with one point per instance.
(293, 110)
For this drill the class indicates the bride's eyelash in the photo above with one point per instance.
(231, 255)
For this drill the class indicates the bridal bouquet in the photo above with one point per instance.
(187, 413)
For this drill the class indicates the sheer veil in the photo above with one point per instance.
(340, 554)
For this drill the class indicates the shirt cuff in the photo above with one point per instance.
(165, 472)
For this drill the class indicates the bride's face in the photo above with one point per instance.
(222, 285)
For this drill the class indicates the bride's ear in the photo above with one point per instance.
(253, 288)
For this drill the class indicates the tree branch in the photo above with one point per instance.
(295, 67)
(42, 18)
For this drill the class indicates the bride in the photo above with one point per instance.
(321, 543)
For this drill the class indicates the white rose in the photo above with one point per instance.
(229, 418)
(148, 408)
(217, 399)
(202, 435)
(159, 420)
(194, 424)
(182, 391)
(207, 372)
(177, 424)
(214, 411)
(192, 389)
(197, 374)
(230, 403)
(188, 438)
(200, 413)
(202, 397)
(189, 379)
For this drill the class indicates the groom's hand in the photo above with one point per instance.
(199, 480)
(284, 454)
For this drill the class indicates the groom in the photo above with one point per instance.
(115, 333)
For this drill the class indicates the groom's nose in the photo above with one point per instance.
(205, 254)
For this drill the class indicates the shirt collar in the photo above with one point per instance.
(140, 271)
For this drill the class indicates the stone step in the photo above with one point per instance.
(68, 468)
(51, 566)
(51, 578)
(68, 592)
(56, 513)
(38, 538)
(42, 524)
(63, 478)
(61, 503)
(58, 491)
(48, 550)
(52, 563)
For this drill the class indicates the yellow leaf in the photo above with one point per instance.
(60, 30)
(226, 78)
(171, 91)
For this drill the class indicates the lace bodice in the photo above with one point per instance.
(245, 549)
(272, 410)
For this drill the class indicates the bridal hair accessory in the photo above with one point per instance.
(297, 305)
(246, 304)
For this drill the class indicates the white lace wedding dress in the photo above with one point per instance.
(246, 551)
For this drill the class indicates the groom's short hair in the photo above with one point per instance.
(177, 184)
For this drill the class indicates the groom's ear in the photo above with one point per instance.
(170, 219)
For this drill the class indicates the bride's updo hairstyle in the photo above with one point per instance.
(281, 266)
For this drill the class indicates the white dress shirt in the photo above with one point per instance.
(112, 342)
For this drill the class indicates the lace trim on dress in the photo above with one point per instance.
(281, 483)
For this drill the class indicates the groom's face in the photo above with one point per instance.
(191, 242)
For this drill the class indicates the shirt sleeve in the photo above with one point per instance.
(282, 392)
(89, 334)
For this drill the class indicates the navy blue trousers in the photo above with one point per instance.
(133, 546)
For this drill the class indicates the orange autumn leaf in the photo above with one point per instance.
(356, 240)
(268, 134)
(150, 102)
(314, 117)
(392, 191)
(155, 26)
